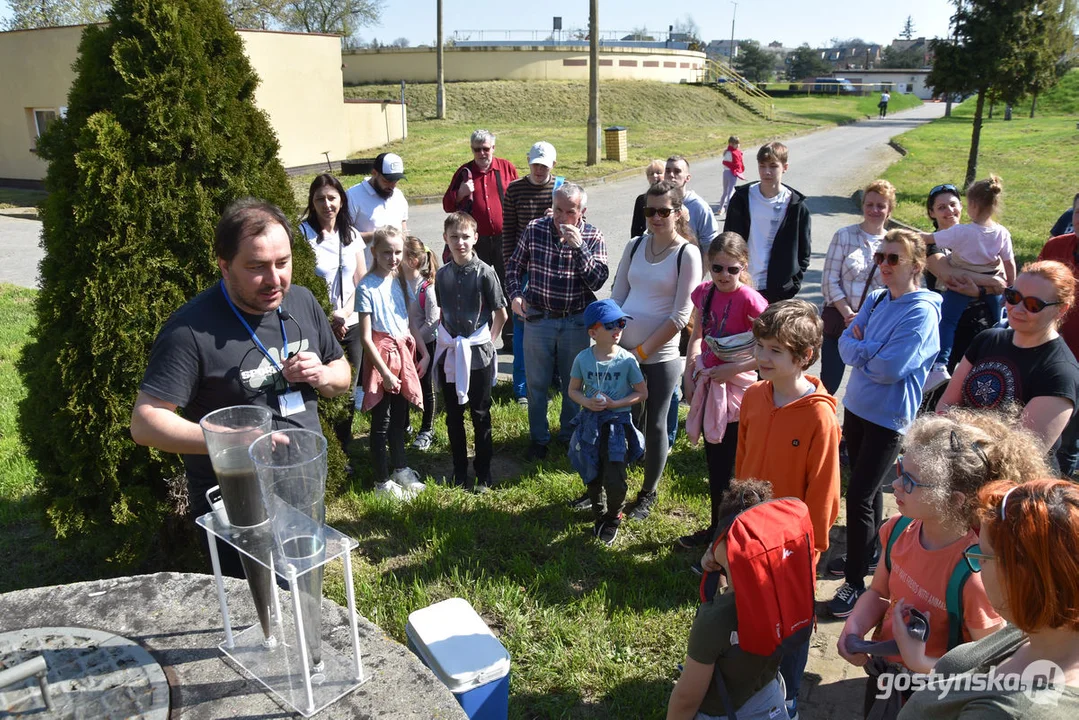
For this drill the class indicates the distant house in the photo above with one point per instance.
(851, 57)
(917, 45)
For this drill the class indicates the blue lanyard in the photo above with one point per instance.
(254, 337)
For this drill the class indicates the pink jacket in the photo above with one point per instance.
(398, 354)
(715, 404)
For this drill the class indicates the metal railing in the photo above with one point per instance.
(722, 74)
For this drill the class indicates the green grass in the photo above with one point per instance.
(661, 118)
(836, 110)
(17, 474)
(14, 197)
(1035, 158)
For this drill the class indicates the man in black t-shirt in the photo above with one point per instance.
(227, 347)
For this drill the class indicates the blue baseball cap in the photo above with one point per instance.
(603, 311)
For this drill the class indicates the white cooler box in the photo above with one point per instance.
(454, 642)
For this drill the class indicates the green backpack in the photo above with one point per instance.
(953, 597)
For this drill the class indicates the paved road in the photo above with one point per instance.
(20, 251)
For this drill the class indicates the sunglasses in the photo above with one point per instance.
(946, 187)
(729, 269)
(620, 323)
(1030, 304)
(483, 148)
(975, 557)
(662, 212)
(892, 259)
(909, 483)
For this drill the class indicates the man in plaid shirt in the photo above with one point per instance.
(566, 262)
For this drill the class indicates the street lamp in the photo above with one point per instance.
(730, 54)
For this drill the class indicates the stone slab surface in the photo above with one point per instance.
(176, 618)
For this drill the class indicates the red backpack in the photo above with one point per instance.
(770, 551)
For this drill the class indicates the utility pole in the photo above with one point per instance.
(593, 82)
(730, 55)
(440, 78)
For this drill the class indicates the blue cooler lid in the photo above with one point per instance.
(457, 645)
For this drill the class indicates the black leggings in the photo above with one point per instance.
(353, 346)
(720, 458)
(427, 386)
(872, 450)
(652, 418)
(387, 429)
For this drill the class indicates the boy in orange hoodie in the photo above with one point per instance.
(788, 433)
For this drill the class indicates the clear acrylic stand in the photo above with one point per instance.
(284, 667)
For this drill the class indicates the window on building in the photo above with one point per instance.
(43, 118)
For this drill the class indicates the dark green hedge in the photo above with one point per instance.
(161, 134)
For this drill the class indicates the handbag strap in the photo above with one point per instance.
(865, 290)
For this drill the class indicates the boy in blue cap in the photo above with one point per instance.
(606, 382)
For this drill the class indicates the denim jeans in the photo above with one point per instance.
(520, 388)
(951, 309)
(832, 367)
(792, 667)
(551, 342)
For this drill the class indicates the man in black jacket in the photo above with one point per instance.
(774, 221)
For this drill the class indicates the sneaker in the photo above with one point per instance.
(409, 480)
(537, 452)
(696, 568)
(522, 401)
(478, 487)
(701, 538)
(938, 375)
(842, 604)
(607, 533)
(792, 709)
(390, 488)
(423, 440)
(642, 507)
(408, 429)
(582, 503)
(837, 566)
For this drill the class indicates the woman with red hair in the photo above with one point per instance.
(1028, 363)
(1028, 558)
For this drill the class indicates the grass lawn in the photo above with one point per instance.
(825, 110)
(1035, 158)
(662, 119)
(14, 197)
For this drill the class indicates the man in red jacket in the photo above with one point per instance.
(478, 188)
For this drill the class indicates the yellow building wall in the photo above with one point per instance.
(300, 91)
(520, 63)
(35, 72)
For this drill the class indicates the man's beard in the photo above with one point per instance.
(381, 191)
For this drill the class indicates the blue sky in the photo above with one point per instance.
(791, 22)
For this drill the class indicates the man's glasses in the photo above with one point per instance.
(975, 557)
(620, 323)
(1030, 304)
(892, 259)
(909, 483)
(946, 187)
(662, 212)
(482, 148)
(729, 269)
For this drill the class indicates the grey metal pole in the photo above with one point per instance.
(404, 126)
(593, 82)
(440, 93)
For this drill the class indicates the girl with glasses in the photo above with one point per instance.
(1028, 555)
(850, 275)
(653, 285)
(982, 246)
(889, 345)
(946, 460)
(1027, 363)
(724, 306)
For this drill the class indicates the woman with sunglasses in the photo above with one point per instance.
(850, 275)
(1028, 558)
(1027, 363)
(889, 345)
(653, 286)
(947, 459)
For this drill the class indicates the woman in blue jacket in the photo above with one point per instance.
(889, 346)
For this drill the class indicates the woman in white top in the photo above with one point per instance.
(847, 267)
(339, 261)
(657, 273)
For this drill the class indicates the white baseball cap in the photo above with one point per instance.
(542, 153)
(390, 166)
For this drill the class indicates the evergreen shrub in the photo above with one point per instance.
(161, 133)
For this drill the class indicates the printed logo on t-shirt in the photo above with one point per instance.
(991, 383)
(603, 381)
(257, 373)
